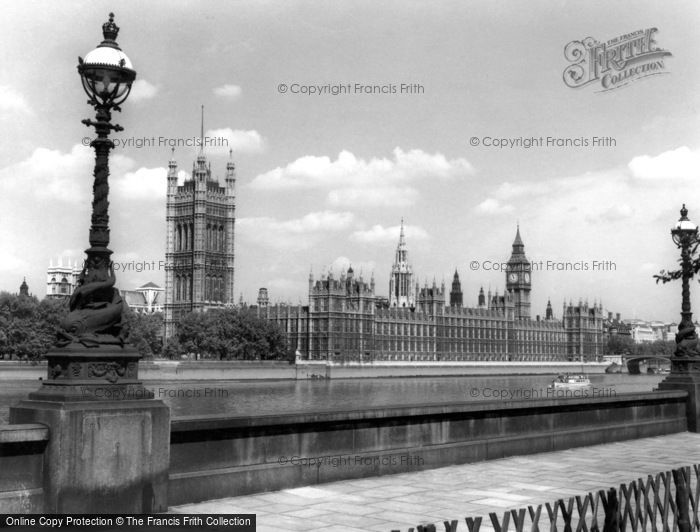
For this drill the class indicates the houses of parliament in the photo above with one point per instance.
(346, 321)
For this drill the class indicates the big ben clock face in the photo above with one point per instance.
(527, 277)
(513, 277)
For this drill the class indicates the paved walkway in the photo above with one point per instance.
(455, 492)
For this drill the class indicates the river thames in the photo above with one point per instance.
(258, 397)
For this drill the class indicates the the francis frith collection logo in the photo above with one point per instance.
(616, 62)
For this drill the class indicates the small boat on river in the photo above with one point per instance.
(570, 382)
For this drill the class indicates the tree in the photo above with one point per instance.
(28, 327)
(619, 344)
(195, 333)
(172, 349)
(232, 334)
(145, 332)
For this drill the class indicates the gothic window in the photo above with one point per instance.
(177, 288)
(178, 238)
(209, 246)
(221, 238)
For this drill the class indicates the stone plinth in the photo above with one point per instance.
(78, 373)
(685, 375)
(108, 449)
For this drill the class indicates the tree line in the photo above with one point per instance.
(622, 344)
(28, 330)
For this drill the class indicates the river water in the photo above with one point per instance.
(253, 398)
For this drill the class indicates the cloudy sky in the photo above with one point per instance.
(324, 179)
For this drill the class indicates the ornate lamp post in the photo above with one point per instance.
(108, 450)
(90, 361)
(685, 236)
(685, 362)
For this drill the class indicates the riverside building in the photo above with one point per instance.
(346, 321)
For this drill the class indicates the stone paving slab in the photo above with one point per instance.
(397, 502)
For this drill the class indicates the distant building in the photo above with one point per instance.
(345, 320)
(146, 299)
(200, 217)
(641, 331)
(62, 279)
(456, 292)
(24, 288)
(263, 300)
(614, 325)
(646, 332)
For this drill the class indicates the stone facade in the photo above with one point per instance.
(146, 299)
(346, 321)
(200, 219)
(62, 279)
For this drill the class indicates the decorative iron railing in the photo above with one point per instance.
(667, 502)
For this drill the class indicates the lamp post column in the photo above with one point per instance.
(685, 362)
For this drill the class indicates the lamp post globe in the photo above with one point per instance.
(685, 232)
(106, 71)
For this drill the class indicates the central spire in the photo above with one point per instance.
(518, 242)
(401, 292)
(518, 253)
(201, 134)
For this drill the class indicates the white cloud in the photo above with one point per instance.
(493, 206)
(632, 192)
(12, 101)
(142, 90)
(342, 264)
(681, 163)
(614, 213)
(299, 233)
(52, 174)
(388, 235)
(144, 184)
(373, 197)
(353, 181)
(240, 141)
(12, 263)
(228, 91)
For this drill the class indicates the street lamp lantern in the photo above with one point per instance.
(106, 72)
(684, 232)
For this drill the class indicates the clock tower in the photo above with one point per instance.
(518, 281)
